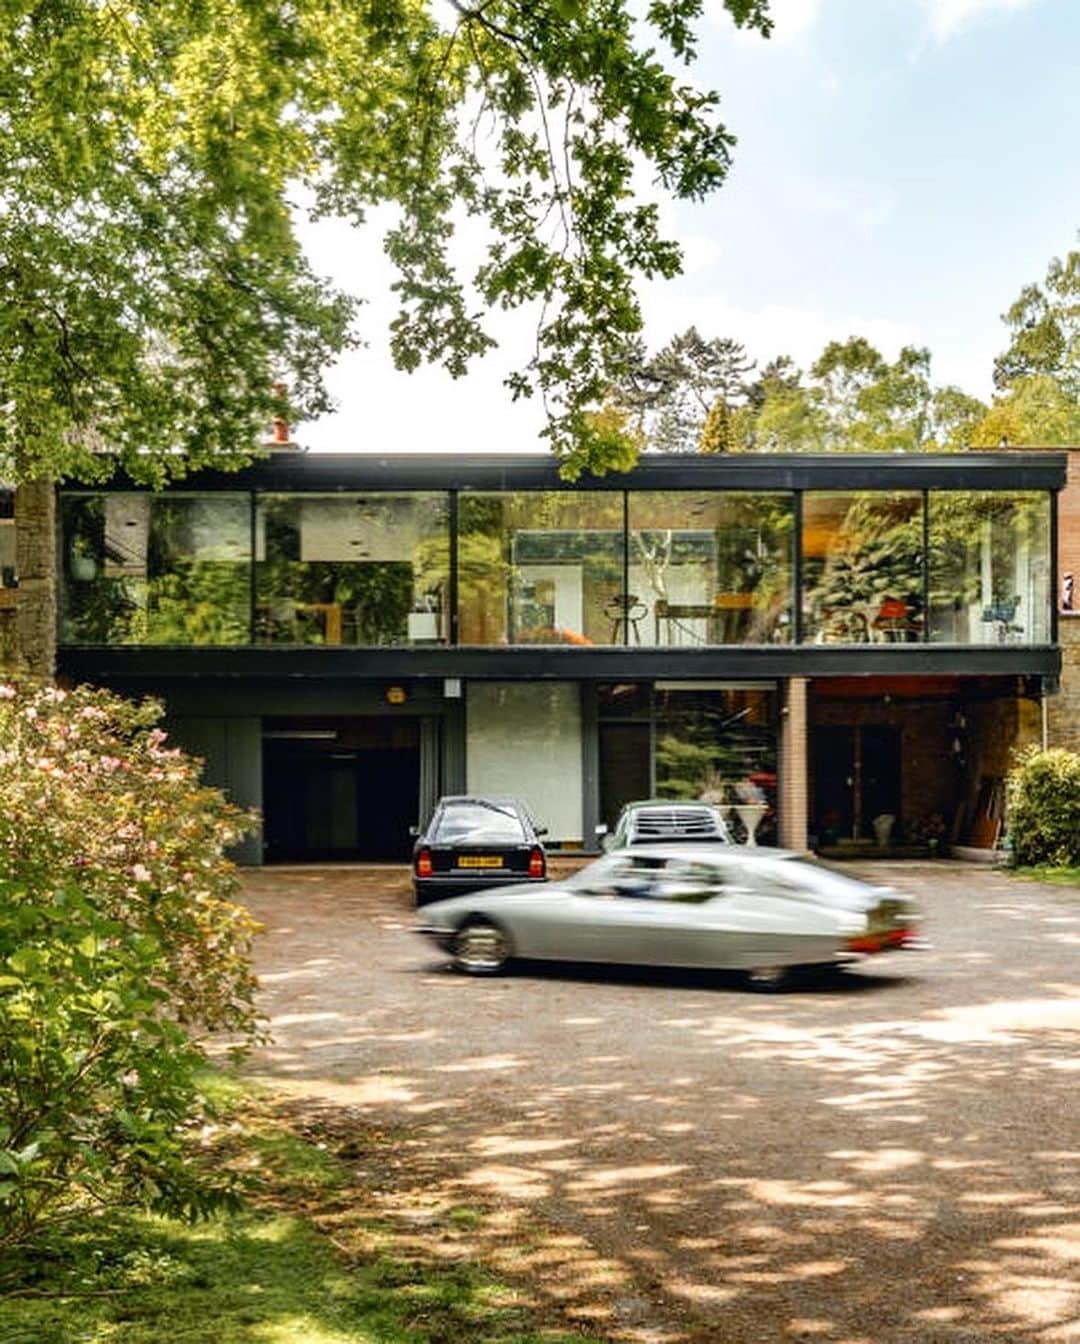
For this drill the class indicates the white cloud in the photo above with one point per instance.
(948, 18)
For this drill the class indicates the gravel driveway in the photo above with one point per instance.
(891, 1156)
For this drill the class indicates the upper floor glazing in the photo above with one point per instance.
(656, 568)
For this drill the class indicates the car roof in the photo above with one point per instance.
(712, 853)
(500, 798)
(668, 802)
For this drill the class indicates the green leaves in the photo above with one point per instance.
(114, 915)
(151, 283)
(1044, 807)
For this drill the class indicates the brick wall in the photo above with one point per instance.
(7, 637)
(1063, 710)
(35, 562)
(794, 772)
(1069, 528)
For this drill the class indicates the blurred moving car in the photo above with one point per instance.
(479, 840)
(763, 912)
(661, 820)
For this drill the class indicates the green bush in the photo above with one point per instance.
(120, 948)
(1044, 807)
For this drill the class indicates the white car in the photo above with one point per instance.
(763, 912)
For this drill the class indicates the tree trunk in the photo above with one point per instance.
(35, 564)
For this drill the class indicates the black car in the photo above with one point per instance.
(655, 821)
(473, 841)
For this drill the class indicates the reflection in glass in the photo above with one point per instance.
(155, 569)
(352, 569)
(989, 567)
(541, 568)
(710, 568)
(862, 567)
(719, 744)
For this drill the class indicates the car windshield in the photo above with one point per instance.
(478, 822)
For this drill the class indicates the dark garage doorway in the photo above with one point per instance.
(340, 789)
(856, 778)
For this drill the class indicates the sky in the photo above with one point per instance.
(903, 169)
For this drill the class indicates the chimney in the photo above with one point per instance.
(280, 439)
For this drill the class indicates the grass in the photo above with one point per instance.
(1062, 876)
(271, 1274)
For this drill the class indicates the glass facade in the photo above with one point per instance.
(862, 567)
(655, 569)
(352, 569)
(690, 740)
(709, 568)
(989, 567)
(155, 569)
(540, 568)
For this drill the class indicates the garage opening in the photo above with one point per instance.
(340, 790)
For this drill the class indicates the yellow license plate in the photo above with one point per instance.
(479, 861)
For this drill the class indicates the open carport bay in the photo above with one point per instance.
(892, 1155)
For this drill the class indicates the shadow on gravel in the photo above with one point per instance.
(826, 980)
(884, 1158)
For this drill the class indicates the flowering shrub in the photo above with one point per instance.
(1043, 807)
(120, 946)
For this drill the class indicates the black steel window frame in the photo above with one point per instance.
(739, 475)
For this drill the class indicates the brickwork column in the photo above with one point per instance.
(35, 564)
(794, 766)
(1063, 710)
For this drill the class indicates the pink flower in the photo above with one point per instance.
(140, 873)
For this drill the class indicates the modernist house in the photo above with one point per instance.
(845, 639)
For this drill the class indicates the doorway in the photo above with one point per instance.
(340, 789)
(856, 778)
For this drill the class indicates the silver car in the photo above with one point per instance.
(763, 912)
(659, 821)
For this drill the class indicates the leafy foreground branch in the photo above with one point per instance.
(300, 1262)
(155, 158)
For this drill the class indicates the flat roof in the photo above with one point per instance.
(293, 470)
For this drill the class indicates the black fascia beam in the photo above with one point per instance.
(555, 663)
(347, 473)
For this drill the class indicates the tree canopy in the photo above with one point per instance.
(153, 157)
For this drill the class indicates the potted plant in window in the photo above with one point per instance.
(82, 559)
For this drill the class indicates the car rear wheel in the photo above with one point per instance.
(480, 948)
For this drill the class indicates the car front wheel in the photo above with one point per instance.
(480, 948)
(770, 979)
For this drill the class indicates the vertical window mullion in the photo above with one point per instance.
(452, 576)
(253, 595)
(626, 566)
(797, 571)
(926, 568)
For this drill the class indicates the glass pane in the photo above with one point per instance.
(352, 569)
(989, 567)
(710, 568)
(720, 745)
(862, 567)
(155, 569)
(478, 824)
(540, 568)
